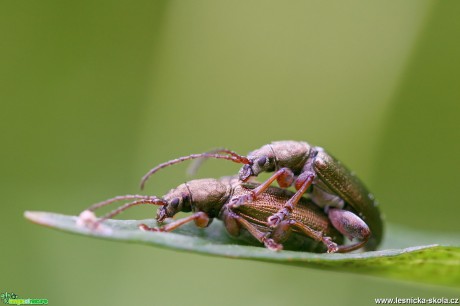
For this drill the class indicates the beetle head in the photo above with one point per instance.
(176, 200)
(206, 195)
(278, 154)
(260, 160)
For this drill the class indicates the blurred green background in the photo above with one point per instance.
(93, 94)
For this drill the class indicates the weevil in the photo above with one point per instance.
(310, 169)
(208, 199)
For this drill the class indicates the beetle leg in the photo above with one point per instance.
(232, 226)
(201, 220)
(283, 176)
(282, 232)
(351, 226)
(331, 246)
(302, 183)
(233, 222)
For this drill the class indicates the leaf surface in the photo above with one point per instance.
(405, 255)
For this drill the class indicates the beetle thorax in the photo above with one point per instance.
(208, 195)
(291, 154)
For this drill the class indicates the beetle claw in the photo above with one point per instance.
(146, 228)
(276, 219)
(331, 246)
(273, 221)
(238, 201)
(272, 245)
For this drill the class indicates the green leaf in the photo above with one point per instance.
(435, 259)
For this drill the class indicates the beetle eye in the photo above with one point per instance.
(262, 161)
(175, 202)
(186, 198)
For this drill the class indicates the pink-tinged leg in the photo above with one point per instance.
(200, 218)
(282, 232)
(318, 236)
(351, 226)
(284, 176)
(302, 183)
(233, 222)
(231, 225)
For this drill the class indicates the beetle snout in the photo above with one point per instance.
(245, 173)
(161, 213)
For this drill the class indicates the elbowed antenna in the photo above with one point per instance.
(234, 157)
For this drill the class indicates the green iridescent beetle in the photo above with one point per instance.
(311, 170)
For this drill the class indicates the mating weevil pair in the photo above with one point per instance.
(270, 214)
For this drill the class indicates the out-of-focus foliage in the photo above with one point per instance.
(93, 94)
